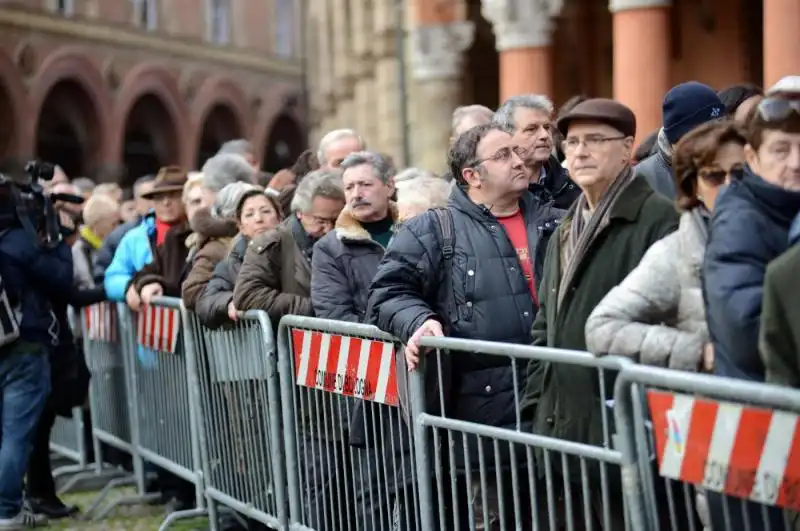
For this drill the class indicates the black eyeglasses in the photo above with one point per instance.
(777, 109)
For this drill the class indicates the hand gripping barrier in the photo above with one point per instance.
(349, 457)
(486, 463)
(237, 395)
(729, 450)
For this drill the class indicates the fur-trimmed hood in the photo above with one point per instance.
(349, 228)
(206, 227)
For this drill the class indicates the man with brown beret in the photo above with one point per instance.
(602, 238)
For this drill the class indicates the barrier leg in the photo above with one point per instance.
(181, 515)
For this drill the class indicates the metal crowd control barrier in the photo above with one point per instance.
(486, 477)
(736, 442)
(350, 461)
(165, 414)
(109, 339)
(237, 393)
(68, 440)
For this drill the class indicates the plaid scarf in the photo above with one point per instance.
(584, 231)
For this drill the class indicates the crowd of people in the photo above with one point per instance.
(548, 229)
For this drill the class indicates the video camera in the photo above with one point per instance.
(23, 204)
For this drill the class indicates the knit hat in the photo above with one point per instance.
(688, 105)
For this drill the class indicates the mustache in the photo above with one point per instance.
(360, 202)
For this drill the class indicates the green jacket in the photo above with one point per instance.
(780, 320)
(565, 399)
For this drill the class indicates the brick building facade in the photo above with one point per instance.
(113, 89)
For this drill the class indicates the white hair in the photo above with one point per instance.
(409, 174)
(504, 116)
(467, 111)
(240, 146)
(335, 136)
(84, 184)
(224, 169)
(424, 192)
(318, 183)
(228, 199)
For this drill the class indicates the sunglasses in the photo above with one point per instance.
(718, 176)
(777, 109)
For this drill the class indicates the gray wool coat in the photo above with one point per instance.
(656, 316)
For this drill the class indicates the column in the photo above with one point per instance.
(523, 32)
(781, 40)
(362, 68)
(437, 61)
(385, 119)
(641, 31)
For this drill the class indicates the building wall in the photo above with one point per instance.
(96, 79)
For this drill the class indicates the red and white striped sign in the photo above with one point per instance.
(158, 328)
(101, 321)
(350, 366)
(744, 451)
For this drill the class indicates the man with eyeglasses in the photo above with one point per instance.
(686, 106)
(602, 238)
(471, 271)
(276, 272)
(530, 117)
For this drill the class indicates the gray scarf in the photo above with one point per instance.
(584, 231)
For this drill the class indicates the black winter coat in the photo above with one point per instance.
(343, 265)
(556, 186)
(212, 305)
(487, 289)
(749, 229)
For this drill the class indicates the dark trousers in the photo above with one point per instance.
(40, 483)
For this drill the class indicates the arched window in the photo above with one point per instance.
(145, 14)
(285, 28)
(218, 21)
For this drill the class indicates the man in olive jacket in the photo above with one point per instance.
(780, 317)
(602, 238)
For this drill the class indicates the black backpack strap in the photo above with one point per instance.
(447, 231)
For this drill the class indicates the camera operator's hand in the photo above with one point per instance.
(133, 299)
(151, 291)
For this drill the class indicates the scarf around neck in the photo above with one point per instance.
(90, 237)
(304, 241)
(584, 230)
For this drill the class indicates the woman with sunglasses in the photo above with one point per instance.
(749, 229)
(656, 316)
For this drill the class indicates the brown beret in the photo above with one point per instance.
(601, 110)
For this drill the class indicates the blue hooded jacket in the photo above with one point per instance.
(32, 276)
(749, 228)
(133, 253)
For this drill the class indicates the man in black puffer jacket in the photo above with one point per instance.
(485, 290)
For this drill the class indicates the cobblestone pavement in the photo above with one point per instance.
(124, 518)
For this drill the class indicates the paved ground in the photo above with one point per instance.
(124, 518)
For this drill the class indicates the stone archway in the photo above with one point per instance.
(68, 129)
(151, 122)
(150, 138)
(70, 107)
(221, 124)
(285, 142)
